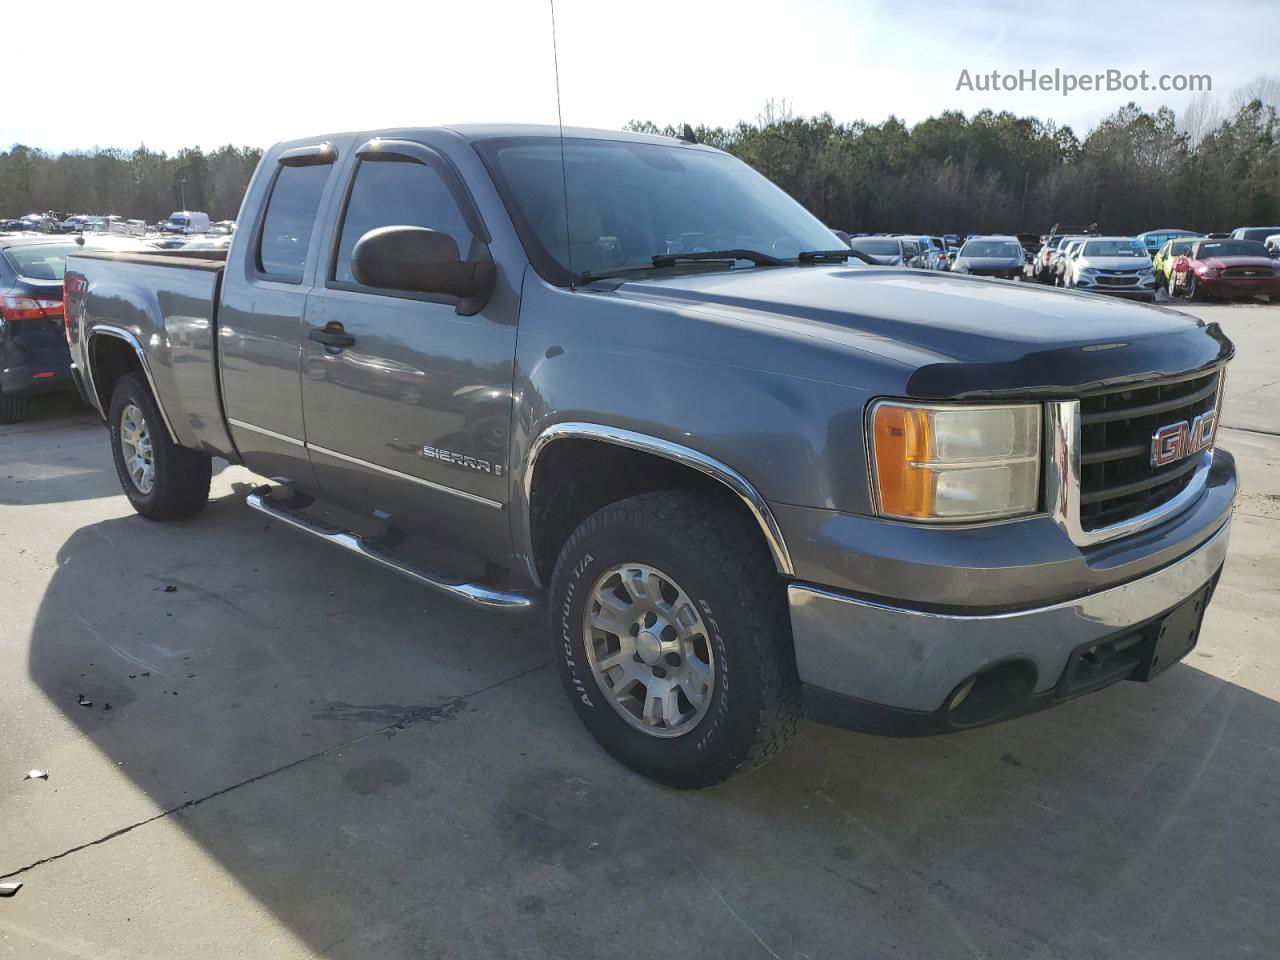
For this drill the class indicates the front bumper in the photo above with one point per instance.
(1238, 286)
(1145, 287)
(893, 669)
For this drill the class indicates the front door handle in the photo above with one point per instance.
(333, 335)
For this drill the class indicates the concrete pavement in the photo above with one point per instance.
(306, 757)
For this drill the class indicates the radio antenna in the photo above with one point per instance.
(564, 174)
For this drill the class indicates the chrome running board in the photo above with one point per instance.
(476, 594)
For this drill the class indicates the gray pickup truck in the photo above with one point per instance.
(626, 378)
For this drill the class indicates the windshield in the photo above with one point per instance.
(1114, 248)
(1178, 247)
(1005, 250)
(628, 202)
(877, 248)
(1232, 248)
(1257, 233)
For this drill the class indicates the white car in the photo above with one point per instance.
(1114, 265)
(1273, 244)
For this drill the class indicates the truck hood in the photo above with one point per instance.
(963, 336)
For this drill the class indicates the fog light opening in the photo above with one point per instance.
(991, 693)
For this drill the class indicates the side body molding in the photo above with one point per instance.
(687, 456)
(122, 334)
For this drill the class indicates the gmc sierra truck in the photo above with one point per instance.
(627, 379)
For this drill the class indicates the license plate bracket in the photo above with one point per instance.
(1176, 635)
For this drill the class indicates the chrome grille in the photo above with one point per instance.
(1117, 478)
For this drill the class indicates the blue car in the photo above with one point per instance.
(33, 348)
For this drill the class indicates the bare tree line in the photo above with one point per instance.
(140, 183)
(1215, 167)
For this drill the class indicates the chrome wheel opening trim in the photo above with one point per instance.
(135, 449)
(122, 334)
(649, 650)
(754, 502)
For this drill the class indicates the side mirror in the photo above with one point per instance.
(421, 260)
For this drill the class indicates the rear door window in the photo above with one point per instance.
(289, 221)
(397, 193)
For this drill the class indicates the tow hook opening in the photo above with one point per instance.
(992, 693)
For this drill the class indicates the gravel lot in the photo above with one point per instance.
(305, 756)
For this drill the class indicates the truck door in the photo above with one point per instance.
(260, 317)
(407, 402)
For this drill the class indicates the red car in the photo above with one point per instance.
(1226, 268)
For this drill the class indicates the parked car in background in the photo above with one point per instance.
(39, 223)
(1153, 240)
(1061, 261)
(1226, 268)
(227, 227)
(938, 252)
(886, 251)
(33, 349)
(995, 256)
(1272, 243)
(1114, 265)
(187, 221)
(1162, 262)
(1030, 243)
(1044, 259)
(1259, 234)
(915, 253)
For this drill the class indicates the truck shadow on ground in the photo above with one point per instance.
(65, 435)
(452, 804)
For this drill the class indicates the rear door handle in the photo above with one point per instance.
(333, 335)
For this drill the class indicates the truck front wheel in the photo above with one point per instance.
(671, 629)
(162, 480)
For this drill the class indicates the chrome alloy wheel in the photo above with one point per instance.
(135, 445)
(649, 650)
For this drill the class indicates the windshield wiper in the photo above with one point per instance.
(709, 257)
(814, 256)
(754, 256)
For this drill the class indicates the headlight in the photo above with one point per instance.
(1089, 271)
(938, 463)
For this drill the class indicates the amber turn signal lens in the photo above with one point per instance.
(902, 439)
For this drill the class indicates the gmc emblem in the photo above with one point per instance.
(1177, 441)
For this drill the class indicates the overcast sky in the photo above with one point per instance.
(170, 74)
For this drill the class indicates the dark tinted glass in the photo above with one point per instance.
(290, 218)
(628, 202)
(397, 193)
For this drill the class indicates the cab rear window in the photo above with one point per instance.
(289, 221)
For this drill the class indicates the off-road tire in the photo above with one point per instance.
(13, 409)
(727, 571)
(182, 476)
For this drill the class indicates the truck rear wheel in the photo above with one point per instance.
(673, 638)
(162, 480)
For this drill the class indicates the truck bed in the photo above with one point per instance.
(165, 305)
